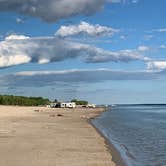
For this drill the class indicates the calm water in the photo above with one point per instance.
(137, 131)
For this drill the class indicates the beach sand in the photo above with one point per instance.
(38, 136)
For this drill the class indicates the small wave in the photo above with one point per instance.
(128, 153)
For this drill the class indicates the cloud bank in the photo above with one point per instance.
(52, 10)
(85, 28)
(49, 78)
(16, 49)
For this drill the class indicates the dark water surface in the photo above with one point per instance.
(137, 131)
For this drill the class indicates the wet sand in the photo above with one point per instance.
(38, 136)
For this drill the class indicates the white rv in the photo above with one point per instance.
(68, 105)
(91, 106)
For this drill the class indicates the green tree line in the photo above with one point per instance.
(80, 102)
(22, 101)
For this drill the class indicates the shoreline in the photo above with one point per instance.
(41, 136)
(116, 156)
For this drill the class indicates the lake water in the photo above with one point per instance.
(137, 131)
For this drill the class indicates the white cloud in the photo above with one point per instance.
(43, 61)
(135, 1)
(123, 1)
(161, 30)
(52, 10)
(114, 1)
(158, 30)
(143, 48)
(148, 37)
(19, 21)
(85, 28)
(98, 55)
(123, 37)
(163, 46)
(17, 49)
(16, 37)
(6, 61)
(156, 65)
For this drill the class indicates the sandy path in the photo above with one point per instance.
(29, 138)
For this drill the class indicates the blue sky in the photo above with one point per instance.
(103, 51)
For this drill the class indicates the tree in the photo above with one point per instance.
(22, 101)
(80, 102)
(55, 101)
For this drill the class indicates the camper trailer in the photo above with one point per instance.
(68, 105)
(62, 105)
(91, 106)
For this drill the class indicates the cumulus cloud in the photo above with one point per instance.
(48, 78)
(52, 10)
(85, 28)
(16, 37)
(156, 65)
(13, 60)
(16, 49)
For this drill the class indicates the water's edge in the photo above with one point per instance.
(116, 155)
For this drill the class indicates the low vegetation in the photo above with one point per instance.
(22, 101)
(80, 102)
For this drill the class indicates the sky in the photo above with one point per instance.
(103, 51)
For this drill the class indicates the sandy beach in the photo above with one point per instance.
(38, 136)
